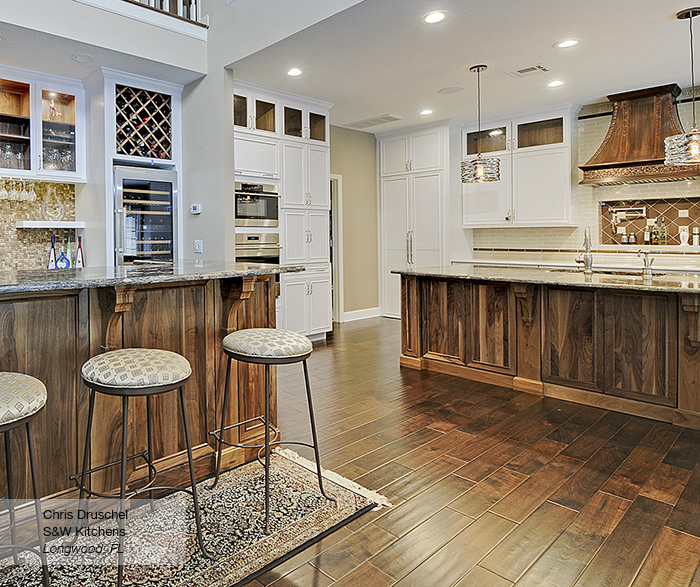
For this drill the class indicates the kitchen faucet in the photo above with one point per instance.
(648, 260)
(586, 259)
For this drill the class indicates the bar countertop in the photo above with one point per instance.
(668, 282)
(96, 277)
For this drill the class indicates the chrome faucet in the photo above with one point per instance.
(648, 260)
(586, 259)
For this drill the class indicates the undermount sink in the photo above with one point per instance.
(605, 272)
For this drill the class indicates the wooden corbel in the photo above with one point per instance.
(525, 296)
(114, 333)
(691, 306)
(234, 292)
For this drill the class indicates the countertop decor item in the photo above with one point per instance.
(481, 169)
(684, 149)
(53, 208)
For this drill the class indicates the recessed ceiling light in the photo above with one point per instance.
(294, 72)
(426, 112)
(435, 16)
(555, 83)
(566, 43)
(451, 90)
(82, 57)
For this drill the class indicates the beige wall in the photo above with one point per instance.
(354, 156)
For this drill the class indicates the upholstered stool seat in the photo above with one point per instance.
(132, 373)
(21, 396)
(266, 346)
(136, 369)
(268, 343)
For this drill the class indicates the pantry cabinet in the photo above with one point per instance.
(305, 176)
(42, 127)
(536, 156)
(411, 152)
(307, 298)
(306, 237)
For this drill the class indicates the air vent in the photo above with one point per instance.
(374, 121)
(525, 71)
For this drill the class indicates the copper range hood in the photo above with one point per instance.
(633, 149)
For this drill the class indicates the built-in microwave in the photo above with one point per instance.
(257, 204)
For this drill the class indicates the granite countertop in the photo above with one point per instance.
(669, 282)
(94, 277)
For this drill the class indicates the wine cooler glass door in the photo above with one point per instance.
(147, 221)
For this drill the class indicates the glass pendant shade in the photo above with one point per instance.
(481, 170)
(683, 149)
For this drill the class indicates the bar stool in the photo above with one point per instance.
(131, 373)
(266, 346)
(22, 397)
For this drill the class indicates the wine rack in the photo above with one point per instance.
(143, 123)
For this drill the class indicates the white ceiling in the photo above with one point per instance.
(378, 57)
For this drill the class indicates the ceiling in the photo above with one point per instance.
(378, 57)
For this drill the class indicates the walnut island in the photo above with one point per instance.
(611, 340)
(51, 322)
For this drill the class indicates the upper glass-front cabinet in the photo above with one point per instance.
(540, 133)
(303, 124)
(41, 128)
(490, 140)
(253, 114)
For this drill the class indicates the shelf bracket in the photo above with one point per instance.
(114, 333)
(525, 295)
(234, 293)
(691, 306)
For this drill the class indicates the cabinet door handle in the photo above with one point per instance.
(412, 261)
(408, 248)
(311, 236)
(406, 165)
(312, 288)
(508, 216)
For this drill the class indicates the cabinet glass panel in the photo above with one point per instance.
(317, 127)
(14, 125)
(542, 132)
(148, 230)
(292, 122)
(57, 131)
(264, 116)
(240, 110)
(488, 141)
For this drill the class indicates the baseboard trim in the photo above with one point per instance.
(361, 314)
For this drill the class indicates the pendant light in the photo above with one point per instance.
(481, 169)
(684, 149)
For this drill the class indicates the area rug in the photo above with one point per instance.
(233, 526)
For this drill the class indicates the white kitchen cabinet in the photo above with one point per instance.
(305, 123)
(256, 156)
(411, 229)
(535, 155)
(305, 236)
(420, 150)
(255, 112)
(42, 127)
(307, 300)
(305, 176)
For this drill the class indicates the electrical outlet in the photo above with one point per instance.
(198, 246)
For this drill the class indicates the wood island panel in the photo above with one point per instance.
(492, 327)
(444, 328)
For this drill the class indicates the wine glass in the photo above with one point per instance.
(20, 160)
(7, 156)
(32, 193)
(13, 191)
(4, 195)
(24, 194)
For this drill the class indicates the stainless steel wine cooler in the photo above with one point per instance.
(145, 215)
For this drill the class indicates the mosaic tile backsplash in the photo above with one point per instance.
(27, 248)
(632, 216)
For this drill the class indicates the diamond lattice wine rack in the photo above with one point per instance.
(143, 123)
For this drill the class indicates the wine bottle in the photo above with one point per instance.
(68, 254)
(62, 262)
(52, 255)
(79, 263)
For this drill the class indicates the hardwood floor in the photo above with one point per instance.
(490, 487)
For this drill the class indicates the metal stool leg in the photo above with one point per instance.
(149, 427)
(10, 505)
(193, 484)
(267, 448)
(122, 490)
(37, 508)
(86, 458)
(313, 433)
(223, 425)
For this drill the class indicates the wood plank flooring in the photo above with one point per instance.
(490, 487)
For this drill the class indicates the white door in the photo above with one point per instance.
(425, 221)
(256, 156)
(319, 177)
(319, 246)
(426, 150)
(296, 237)
(541, 187)
(293, 190)
(395, 193)
(489, 204)
(295, 296)
(320, 310)
(394, 155)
